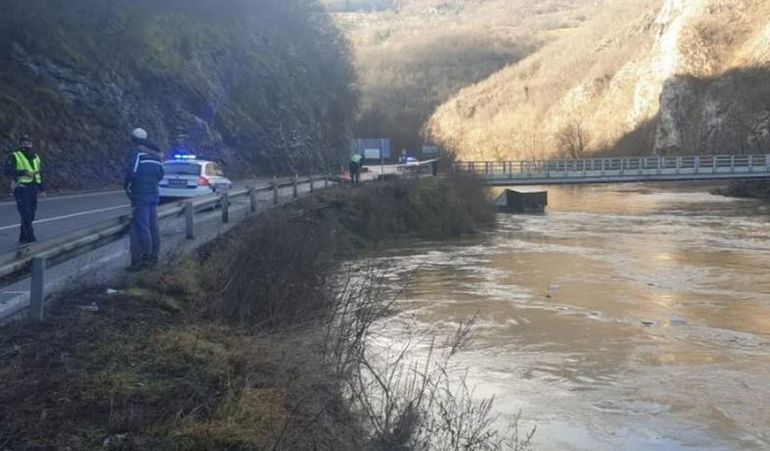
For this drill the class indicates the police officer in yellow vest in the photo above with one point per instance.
(24, 168)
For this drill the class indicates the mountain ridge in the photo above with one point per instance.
(668, 77)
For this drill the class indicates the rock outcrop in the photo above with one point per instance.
(665, 77)
(264, 86)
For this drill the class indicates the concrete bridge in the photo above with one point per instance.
(620, 169)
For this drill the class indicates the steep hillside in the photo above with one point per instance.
(643, 76)
(412, 55)
(262, 85)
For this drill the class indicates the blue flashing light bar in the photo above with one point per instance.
(184, 157)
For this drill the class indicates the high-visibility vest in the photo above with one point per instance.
(23, 164)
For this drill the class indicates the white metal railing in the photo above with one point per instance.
(622, 168)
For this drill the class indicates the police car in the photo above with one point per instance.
(187, 176)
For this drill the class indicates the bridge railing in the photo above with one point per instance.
(619, 166)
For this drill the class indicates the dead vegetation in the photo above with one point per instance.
(257, 342)
(417, 54)
(644, 76)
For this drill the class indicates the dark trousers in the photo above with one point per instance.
(355, 172)
(26, 202)
(145, 236)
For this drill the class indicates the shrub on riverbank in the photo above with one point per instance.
(250, 344)
(431, 209)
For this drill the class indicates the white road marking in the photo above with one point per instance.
(74, 215)
(67, 196)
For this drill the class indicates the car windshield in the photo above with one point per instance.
(182, 169)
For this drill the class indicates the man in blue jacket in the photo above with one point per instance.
(144, 171)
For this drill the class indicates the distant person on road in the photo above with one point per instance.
(25, 169)
(355, 168)
(144, 171)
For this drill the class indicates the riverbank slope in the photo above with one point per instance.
(245, 345)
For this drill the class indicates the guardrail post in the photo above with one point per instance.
(252, 200)
(696, 163)
(732, 163)
(189, 220)
(326, 181)
(295, 193)
(37, 290)
(225, 208)
(275, 192)
(312, 188)
(751, 163)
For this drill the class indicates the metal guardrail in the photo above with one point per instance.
(66, 247)
(620, 169)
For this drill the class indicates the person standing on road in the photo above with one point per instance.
(25, 169)
(144, 171)
(355, 168)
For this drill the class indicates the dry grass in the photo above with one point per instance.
(413, 58)
(251, 344)
(607, 72)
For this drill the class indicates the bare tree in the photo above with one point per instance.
(573, 139)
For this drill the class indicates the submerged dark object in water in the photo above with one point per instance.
(516, 202)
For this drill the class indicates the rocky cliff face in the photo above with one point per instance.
(670, 76)
(264, 86)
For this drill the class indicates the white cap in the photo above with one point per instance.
(139, 133)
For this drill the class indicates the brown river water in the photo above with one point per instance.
(626, 317)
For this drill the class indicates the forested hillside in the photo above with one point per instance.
(638, 77)
(413, 55)
(264, 86)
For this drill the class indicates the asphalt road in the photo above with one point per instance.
(59, 215)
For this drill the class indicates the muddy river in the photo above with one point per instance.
(626, 317)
